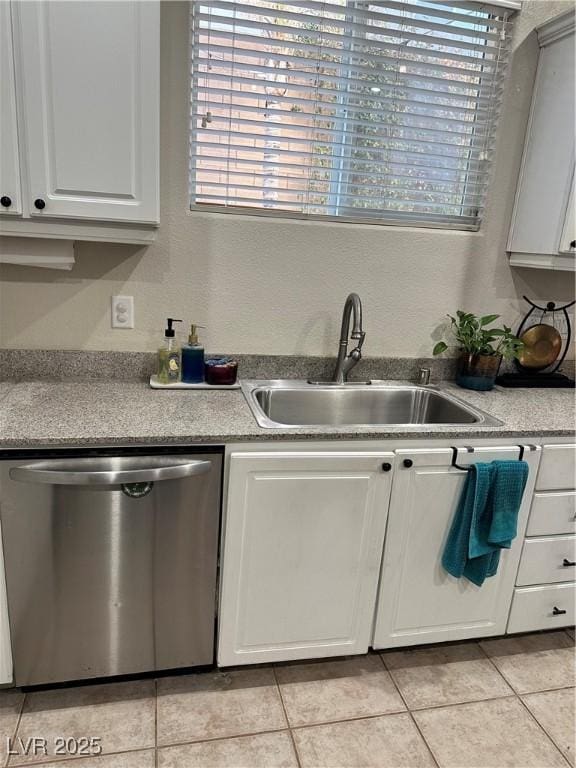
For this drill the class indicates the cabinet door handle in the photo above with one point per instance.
(407, 463)
(557, 611)
(386, 467)
(39, 203)
(5, 201)
(567, 563)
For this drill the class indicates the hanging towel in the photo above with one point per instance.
(486, 519)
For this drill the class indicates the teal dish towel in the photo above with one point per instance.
(486, 519)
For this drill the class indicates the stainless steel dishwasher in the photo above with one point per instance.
(111, 561)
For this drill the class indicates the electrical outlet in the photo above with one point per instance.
(122, 311)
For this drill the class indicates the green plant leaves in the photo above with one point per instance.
(487, 319)
(439, 348)
(472, 336)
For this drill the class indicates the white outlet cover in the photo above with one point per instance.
(122, 311)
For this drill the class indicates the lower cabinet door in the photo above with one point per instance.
(302, 546)
(418, 601)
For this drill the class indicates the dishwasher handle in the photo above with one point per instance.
(114, 471)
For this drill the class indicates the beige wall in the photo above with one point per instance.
(266, 286)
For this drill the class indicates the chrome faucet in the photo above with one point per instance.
(346, 361)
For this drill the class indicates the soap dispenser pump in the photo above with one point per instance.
(169, 356)
(193, 358)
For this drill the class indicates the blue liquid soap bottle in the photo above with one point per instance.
(193, 358)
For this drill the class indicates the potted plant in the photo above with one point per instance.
(481, 349)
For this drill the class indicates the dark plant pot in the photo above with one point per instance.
(477, 371)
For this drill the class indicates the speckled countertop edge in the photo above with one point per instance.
(43, 414)
(5, 387)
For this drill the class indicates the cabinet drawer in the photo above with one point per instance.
(545, 561)
(552, 513)
(534, 608)
(557, 468)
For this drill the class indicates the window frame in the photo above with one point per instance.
(340, 213)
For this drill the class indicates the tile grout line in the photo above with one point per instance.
(408, 710)
(219, 738)
(520, 693)
(502, 675)
(544, 731)
(514, 695)
(18, 721)
(348, 719)
(74, 759)
(468, 701)
(519, 697)
(292, 739)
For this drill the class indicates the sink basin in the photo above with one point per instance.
(290, 403)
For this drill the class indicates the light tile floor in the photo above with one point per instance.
(505, 702)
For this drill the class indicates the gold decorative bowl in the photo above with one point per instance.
(542, 345)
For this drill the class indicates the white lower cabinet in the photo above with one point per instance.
(302, 546)
(545, 592)
(418, 601)
(329, 551)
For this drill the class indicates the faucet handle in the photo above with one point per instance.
(359, 336)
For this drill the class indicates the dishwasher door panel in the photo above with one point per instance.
(101, 583)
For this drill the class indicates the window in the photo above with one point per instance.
(366, 111)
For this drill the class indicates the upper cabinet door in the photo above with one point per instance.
(90, 85)
(418, 601)
(11, 202)
(568, 238)
(539, 228)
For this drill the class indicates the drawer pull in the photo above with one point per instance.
(557, 611)
(567, 563)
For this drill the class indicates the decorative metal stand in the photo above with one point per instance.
(548, 376)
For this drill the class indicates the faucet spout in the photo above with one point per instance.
(345, 361)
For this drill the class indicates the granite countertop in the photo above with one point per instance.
(35, 414)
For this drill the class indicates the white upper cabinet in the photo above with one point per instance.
(303, 535)
(542, 232)
(10, 196)
(568, 237)
(418, 601)
(87, 88)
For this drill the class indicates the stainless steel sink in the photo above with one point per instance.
(291, 403)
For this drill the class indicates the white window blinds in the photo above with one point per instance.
(381, 111)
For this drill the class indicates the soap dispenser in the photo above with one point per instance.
(193, 358)
(169, 358)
